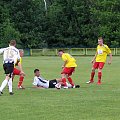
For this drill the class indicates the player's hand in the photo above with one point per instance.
(63, 66)
(109, 62)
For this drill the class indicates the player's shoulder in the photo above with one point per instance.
(35, 77)
(66, 54)
(14, 48)
(3, 49)
(20, 58)
(106, 46)
(98, 47)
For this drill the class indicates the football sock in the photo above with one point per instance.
(4, 83)
(10, 84)
(92, 76)
(20, 81)
(71, 81)
(64, 81)
(99, 76)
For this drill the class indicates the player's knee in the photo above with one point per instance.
(22, 75)
(63, 75)
(93, 69)
(99, 70)
(7, 76)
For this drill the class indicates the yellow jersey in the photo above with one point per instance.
(102, 52)
(16, 64)
(71, 62)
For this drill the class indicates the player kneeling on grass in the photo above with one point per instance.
(40, 82)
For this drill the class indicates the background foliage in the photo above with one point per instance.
(65, 23)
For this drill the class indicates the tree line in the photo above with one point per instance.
(61, 23)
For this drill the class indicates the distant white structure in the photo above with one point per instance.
(45, 5)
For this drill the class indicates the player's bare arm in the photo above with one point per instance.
(20, 66)
(59, 79)
(1, 50)
(93, 60)
(110, 61)
(65, 62)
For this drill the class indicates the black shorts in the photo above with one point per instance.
(8, 68)
(52, 83)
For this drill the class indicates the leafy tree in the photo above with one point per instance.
(65, 23)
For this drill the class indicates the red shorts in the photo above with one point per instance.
(68, 71)
(99, 65)
(16, 71)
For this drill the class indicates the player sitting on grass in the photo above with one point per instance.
(40, 82)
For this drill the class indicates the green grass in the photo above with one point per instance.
(90, 102)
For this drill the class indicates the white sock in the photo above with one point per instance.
(69, 85)
(4, 83)
(10, 84)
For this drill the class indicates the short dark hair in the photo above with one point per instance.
(61, 51)
(100, 38)
(36, 70)
(12, 42)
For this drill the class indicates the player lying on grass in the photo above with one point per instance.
(40, 82)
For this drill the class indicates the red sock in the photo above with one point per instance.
(92, 76)
(99, 76)
(20, 81)
(64, 81)
(71, 81)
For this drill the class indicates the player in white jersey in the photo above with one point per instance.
(41, 82)
(10, 57)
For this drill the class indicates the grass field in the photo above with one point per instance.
(90, 102)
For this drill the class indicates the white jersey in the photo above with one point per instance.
(10, 54)
(39, 81)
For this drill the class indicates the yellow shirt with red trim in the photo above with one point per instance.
(16, 64)
(102, 52)
(71, 62)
